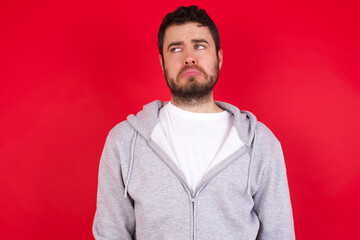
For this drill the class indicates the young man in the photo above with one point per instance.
(192, 168)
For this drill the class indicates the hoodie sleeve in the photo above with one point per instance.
(114, 217)
(272, 199)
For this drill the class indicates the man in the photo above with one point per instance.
(192, 168)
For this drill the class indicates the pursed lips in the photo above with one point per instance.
(191, 72)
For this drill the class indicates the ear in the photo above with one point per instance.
(220, 56)
(161, 62)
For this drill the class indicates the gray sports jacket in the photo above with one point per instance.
(143, 195)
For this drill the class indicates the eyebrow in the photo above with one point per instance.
(177, 43)
(201, 40)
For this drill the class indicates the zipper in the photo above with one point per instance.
(192, 195)
(193, 217)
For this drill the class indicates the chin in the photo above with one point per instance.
(194, 78)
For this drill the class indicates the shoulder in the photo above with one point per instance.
(267, 149)
(121, 130)
(120, 135)
(264, 134)
(117, 145)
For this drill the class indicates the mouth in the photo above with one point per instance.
(191, 72)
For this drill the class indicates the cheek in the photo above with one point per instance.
(209, 64)
(172, 67)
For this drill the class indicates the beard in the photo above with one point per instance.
(191, 91)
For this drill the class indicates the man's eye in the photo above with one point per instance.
(175, 50)
(200, 47)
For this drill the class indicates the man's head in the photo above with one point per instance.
(190, 54)
(184, 15)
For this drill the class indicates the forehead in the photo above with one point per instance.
(187, 31)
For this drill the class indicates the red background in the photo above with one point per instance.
(71, 70)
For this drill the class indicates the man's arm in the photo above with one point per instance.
(114, 217)
(272, 200)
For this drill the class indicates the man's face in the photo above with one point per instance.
(191, 64)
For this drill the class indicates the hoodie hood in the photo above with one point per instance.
(145, 120)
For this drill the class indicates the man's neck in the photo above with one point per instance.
(198, 107)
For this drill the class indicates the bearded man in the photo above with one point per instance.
(192, 168)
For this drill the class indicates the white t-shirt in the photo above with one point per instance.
(193, 140)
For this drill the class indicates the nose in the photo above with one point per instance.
(190, 59)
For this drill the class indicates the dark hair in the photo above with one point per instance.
(184, 15)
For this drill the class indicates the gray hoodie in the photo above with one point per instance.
(143, 195)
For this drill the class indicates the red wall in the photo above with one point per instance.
(71, 70)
